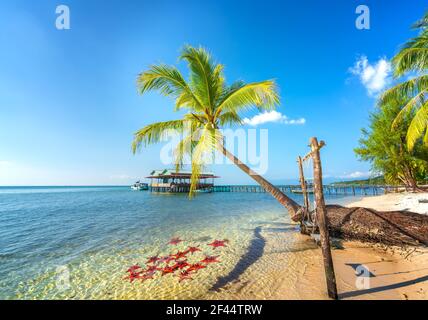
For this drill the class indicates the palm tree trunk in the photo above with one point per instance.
(293, 207)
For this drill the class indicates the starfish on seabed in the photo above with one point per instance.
(167, 270)
(180, 264)
(179, 255)
(133, 268)
(218, 243)
(195, 267)
(185, 275)
(153, 259)
(175, 240)
(210, 259)
(192, 250)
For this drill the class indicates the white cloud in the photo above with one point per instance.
(355, 175)
(374, 77)
(272, 116)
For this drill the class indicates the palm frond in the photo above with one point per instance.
(202, 151)
(183, 149)
(206, 77)
(416, 102)
(418, 127)
(262, 94)
(229, 118)
(407, 89)
(168, 81)
(155, 132)
(411, 59)
(422, 23)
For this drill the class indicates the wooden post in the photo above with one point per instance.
(321, 212)
(303, 184)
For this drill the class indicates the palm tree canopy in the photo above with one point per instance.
(412, 58)
(210, 103)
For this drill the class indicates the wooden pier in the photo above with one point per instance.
(331, 189)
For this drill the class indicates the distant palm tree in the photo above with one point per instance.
(210, 104)
(412, 58)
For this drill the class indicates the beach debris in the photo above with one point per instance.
(218, 243)
(175, 241)
(210, 259)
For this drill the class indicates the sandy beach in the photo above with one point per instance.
(295, 271)
(396, 273)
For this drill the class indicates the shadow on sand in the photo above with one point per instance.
(254, 252)
(382, 288)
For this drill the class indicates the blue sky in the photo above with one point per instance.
(69, 106)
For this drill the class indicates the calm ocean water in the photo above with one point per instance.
(89, 236)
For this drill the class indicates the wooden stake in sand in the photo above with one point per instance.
(303, 184)
(321, 213)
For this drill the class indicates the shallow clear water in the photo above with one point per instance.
(77, 242)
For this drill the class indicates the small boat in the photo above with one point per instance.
(139, 186)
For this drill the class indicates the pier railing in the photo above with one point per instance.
(330, 189)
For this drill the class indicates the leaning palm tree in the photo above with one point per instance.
(210, 104)
(412, 58)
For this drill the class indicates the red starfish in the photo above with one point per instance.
(180, 264)
(151, 269)
(167, 270)
(179, 255)
(166, 259)
(152, 260)
(209, 259)
(146, 276)
(195, 267)
(184, 275)
(133, 268)
(192, 250)
(133, 276)
(176, 240)
(218, 243)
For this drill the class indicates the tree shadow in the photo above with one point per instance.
(382, 288)
(254, 252)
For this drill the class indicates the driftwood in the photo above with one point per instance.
(391, 228)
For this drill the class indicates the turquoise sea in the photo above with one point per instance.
(78, 242)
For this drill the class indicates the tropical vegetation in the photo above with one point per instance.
(385, 147)
(209, 104)
(412, 61)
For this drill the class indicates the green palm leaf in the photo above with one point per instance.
(245, 96)
(418, 127)
(156, 132)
